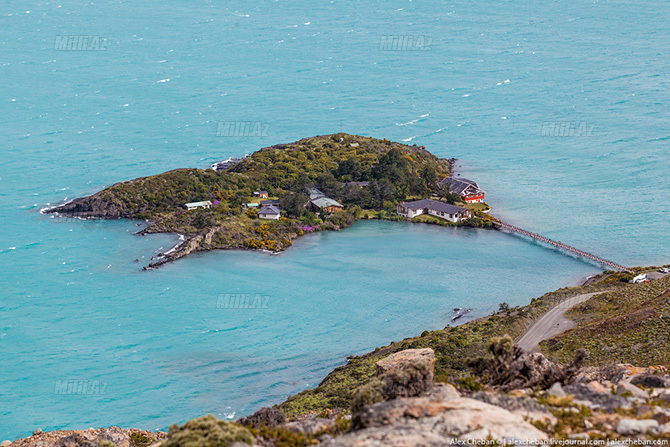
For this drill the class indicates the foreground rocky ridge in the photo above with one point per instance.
(460, 387)
(404, 407)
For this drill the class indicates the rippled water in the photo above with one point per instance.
(75, 306)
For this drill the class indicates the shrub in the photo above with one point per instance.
(207, 431)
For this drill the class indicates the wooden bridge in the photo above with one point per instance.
(580, 253)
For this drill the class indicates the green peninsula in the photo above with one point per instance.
(278, 193)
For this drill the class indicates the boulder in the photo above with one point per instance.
(403, 374)
(444, 391)
(661, 415)
(5, 443)
(310, 426)
(628, 427)
(266, 416)
(556, 390)
(529, 409)
(597, 387)
(650, 381)
(625, 387)
(462, 417)
(586, 395)
(400, 360)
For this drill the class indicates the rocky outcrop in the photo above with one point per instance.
(414, 413)
(266, 416)
(508, 367)
(100, 437)
(399, 360)
(435, 420)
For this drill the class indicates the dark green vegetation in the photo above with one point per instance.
(207, 431)
(395, 172)
(631, 324)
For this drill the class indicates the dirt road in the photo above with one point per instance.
(552, 323)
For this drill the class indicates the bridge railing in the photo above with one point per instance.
(563, 246)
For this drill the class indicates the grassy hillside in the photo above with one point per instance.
(622, 326)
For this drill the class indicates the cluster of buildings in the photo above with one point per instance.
(267, 209)
(318, 201)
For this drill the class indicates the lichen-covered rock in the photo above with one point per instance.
(629, 427)
(586, 395)
(527, 408)
(626, 388)
(310, 426)
(403, 374)
(455, 417)
(207, 431)
(400, 360)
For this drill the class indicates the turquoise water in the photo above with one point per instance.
(75, 306)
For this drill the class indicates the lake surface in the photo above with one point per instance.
(491, 89)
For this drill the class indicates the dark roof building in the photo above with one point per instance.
(443, 210)
(269, 212)
(359, 184)
(465, 188)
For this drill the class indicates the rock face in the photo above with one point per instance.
(119, 437)
(403, 374)
(267, 416)
(424, 415)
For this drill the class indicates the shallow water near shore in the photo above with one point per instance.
(74, 305)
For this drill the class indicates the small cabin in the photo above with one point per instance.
(261, 194)
(269, 212)
(195, 205)
(326, 204)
